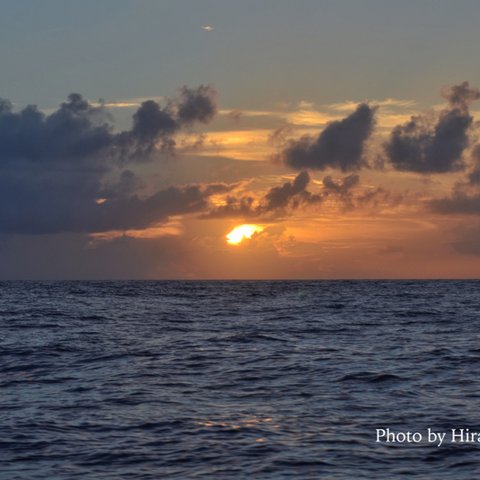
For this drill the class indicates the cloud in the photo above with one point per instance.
(154, 126)
(387, 102)
(75, 130)
(233, 206)
(279, 197)
(340, 145)
(465, 196)
(460, 96)
(70, 204)
(474, 175)
(423, 146)
(378, 197)
(78, 129)
(63, 172)
(349, 198)
(280, 135)
(458, 203)
(342, 187)
(274, 202)
(196, 105)
(282, 200)
(278, 202)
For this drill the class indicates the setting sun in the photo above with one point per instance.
(242, 232)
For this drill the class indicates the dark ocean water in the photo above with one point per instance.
(233, 380)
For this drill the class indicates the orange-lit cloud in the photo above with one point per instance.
(193, 195)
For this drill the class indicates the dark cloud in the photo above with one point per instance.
(75, 130)
(155, 126)
(291, 195)
(280, 135)
(127, 184)
(349, 198)
(60, 172)
(340, 145)
(378, 197)
(235, 207)
(133, 212)
(152, 125)
(474, 175)
(275, 202)
(279, 197)
(342, 187)
(196, 105)
(68, 205)
(79, 130)
(414, 148)
(458, 203)
(423, 147)
(465, 196)
(460, 95)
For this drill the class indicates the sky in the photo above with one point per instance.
(202, 139)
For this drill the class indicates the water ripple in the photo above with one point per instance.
(234, 380)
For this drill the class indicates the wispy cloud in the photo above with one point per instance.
(173, 227)
(350, 105)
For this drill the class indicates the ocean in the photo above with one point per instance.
(238, 379)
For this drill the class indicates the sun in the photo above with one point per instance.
(242, 232)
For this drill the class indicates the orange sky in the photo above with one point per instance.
(347, 132)
(396, 235)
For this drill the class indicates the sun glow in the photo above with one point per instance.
(242, 232)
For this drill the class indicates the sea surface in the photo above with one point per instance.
(236, 380)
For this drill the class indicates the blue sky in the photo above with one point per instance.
(260, 53)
